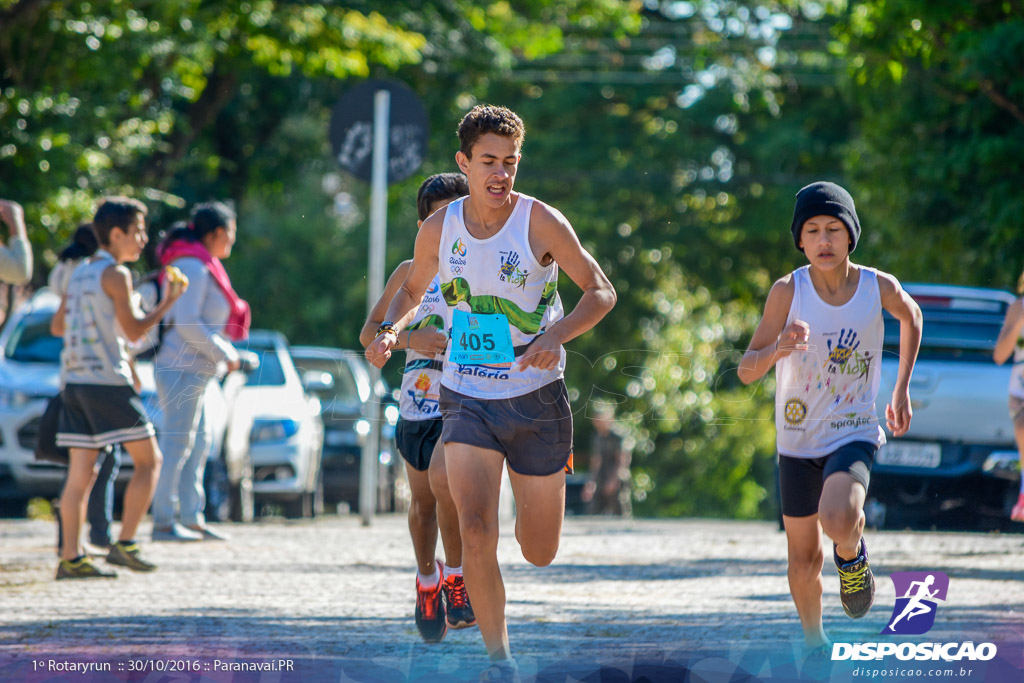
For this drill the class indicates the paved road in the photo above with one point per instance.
(632, 597)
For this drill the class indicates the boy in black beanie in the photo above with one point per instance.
(822, 328)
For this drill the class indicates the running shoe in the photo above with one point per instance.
(176, 533)
(460, 612)
(856, 583)
(1018, 510)
(127, 555)
(82, 568)
(209, 533)
(504, 671)
(817, 664)
(430, 613)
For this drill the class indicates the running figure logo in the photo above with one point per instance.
(914, 612)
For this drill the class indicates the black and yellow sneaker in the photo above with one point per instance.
(82, 568)
(430, 611)
(856, 583)
(127, 555)
(460, 612)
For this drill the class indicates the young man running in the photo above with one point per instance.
(101, 406)
(498, 253)
(419, 432)
(822, 326)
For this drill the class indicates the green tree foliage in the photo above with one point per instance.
(937, 157)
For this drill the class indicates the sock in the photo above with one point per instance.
(449, 571)
(77, 559)
(429, 581)
(126, 543)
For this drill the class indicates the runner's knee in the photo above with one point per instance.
(838, 521)
(805, 567)
(478, 531)
(540, 555)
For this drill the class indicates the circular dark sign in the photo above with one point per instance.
(351, 130)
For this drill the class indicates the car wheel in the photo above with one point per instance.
(242, 499)
(318, 496)
(14, 507)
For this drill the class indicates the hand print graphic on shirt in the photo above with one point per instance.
(846, 344)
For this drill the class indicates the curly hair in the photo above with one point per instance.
(489, 118)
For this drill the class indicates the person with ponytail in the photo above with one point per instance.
(1010, 343)
(197, 347)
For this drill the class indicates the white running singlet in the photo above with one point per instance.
(421, 378)
(498, 275)
(825, 396)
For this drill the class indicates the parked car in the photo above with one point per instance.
(30, 376)
(285, 432)
(959, 455)
(341, 379)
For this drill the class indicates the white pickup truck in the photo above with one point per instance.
(957, 465)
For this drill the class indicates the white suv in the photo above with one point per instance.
(284, 429)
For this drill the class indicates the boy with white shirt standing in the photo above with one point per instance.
(100, 404)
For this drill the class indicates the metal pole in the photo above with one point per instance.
(374, 286)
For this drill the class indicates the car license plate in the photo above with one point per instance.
(909, 454)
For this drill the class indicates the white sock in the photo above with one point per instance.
(429, 581)
(449, 571)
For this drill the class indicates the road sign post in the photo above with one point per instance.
(379, 134)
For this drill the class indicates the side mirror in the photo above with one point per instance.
(316, 382)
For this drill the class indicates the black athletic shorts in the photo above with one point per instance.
(801, 479)
(98, 415)
(416, 440)
(533, 431)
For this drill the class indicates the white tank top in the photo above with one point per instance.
(1017, 372)
(498, 275)
(825, 396)
(421, 378)
(95, 347)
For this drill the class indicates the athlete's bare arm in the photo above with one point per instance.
(553, 239)
(1010, 332)
(899, 304)
(408, 296)
(117, 283)
(57, 321)
(428, 341)
(773, 340)
(377, 313)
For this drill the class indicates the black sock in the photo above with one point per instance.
(77, 559)
(126, 543)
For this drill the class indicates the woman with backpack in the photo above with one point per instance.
(195, 348)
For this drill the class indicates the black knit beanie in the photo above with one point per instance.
(825, 199)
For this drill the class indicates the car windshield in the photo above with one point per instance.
(269, 373)
(950, 335)
(31, 341)
(345, 389)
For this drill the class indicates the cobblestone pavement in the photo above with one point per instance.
(336, 598)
